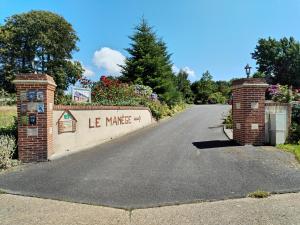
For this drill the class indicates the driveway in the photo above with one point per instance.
(184, 159)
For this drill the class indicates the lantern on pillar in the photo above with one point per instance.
(248, 70)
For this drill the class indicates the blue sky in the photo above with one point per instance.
(214, 35)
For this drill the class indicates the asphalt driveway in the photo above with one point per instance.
(184, 159)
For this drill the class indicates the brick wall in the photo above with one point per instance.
(35, 140)
(248, 108)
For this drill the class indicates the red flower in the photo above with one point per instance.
(103, 77)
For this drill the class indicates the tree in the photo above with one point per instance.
(217, 97)
(203, 88)
(38, 40)
(259, 74)
(149, 64)
(279, 60)
(224, 87)
(184, 86)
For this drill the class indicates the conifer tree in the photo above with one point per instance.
(149, 64)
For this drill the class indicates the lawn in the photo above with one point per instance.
(295, 149)
(7, 114)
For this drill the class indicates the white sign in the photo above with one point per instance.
(81, 94)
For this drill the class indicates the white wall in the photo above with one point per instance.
(85, 136)
(269, 130)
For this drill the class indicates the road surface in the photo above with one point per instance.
(184, 159)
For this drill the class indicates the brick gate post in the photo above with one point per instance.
(248, 111)
(35, 99)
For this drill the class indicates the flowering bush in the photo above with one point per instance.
(297, 94)
(143, 90)
(280, 93)
(7, 149)
(85, 82)
(113, 92)
(294, 132)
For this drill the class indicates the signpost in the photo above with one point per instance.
(81, 94)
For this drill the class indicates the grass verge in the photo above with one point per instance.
(259, 194)
(293, 148)
(7, 114)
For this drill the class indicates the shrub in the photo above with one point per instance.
(7, 98)
(228, 121)
(11, 131)
(7, 150)
(113, 92)
(178, 107)
(294, 132)
(142, 90)
(280, 93)
(158, 109)
(65, 99)
(259, 194)
(110, 91)
(217, 98)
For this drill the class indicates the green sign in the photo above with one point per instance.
(67, 116)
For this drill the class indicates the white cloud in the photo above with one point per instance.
(87, 71)
(175, 69)
(189, 71)
(109, 60)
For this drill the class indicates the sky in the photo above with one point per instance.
(213, 35)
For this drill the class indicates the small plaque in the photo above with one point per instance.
(254, 105)
(40, 108)
(23, 96)
(24, 120)
(40, 96)
(66, 122)
(32, 106)
(67, 116)
(32, 119)
(32, 132)
(67, 125)
(238, 126)
(31, 95)
(254, 126)
(238, 105)
(23, 109)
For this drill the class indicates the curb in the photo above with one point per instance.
(228, 132)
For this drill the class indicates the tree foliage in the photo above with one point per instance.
(184, 86)
(43, 37)
(223, 87)
(203, 88)
(279, 60)
(206, 90)
(149, 64)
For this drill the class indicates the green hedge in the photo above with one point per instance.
(11, 131)
(294, 132)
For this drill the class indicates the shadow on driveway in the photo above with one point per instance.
(215, 144)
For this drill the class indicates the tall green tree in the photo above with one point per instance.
(149, 63)
(279, 60)
(184, 86)
(224, 87)
(203, 88)
(38, 40)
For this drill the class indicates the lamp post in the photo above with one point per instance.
(248, 70)
(35, 64)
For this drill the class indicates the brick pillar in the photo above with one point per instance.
(248, 111)
(35, 99)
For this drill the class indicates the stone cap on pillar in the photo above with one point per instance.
(249, 82)
(33, 78)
